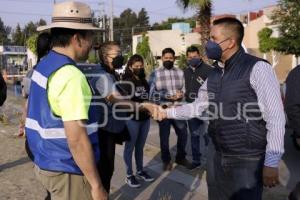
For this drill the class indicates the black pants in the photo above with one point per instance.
(107, 157)
(180, 127)
(238, 178)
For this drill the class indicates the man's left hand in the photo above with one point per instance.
(270, 176)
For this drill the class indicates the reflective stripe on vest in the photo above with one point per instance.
(55, 133)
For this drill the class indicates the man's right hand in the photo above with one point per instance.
(99, 193)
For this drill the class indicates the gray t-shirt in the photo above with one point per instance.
(26, 82)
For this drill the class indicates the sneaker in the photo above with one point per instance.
(167, 166)
(184, 162)
(145, 176)
(193, 166)
(132, 182)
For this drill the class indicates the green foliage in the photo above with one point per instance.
(143, 48)
(143, 18)
(21, 36)
(150, 63)
(31, 43)
(193, 3)
(18, 36)
(128, 24)
(181, 62)
(287, 18)
(30, 29)
(93, 57)
(4, 32)
(166, 25)
(266, 42)
(204, 10)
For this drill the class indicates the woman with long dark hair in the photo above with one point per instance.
(138, 126)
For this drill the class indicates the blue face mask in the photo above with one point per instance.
(214, 50)
(194, 62)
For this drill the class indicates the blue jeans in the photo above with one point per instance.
(238, 178)
(138, 131)
(180, 127)
(198, 129)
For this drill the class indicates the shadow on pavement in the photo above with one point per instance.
(15, 163)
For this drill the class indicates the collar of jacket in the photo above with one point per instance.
(234, 58)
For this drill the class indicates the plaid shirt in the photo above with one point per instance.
(164, 83)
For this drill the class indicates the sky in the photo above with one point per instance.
(13, 12)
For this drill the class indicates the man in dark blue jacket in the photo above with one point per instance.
(195, 74)
(247, 122)
(292, 103)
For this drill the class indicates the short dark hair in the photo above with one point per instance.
(192, 49)
(168, 50)
(61, 37)
(233, 24)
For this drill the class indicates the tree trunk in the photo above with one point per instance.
(204, 16)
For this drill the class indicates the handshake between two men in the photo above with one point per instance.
(157, 112)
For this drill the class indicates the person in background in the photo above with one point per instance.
(111, 130)
(63, 140)
(43, 43)
(292, 103)
(167, 88)
(3, 90)
(42, 48)
(138, 127)
(292, 108)
(195, 75)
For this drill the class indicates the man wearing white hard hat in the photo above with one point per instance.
(61, 127)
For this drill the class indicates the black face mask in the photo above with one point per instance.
(168, 64)
(118, 62)
(139, 72)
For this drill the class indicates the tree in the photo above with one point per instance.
(42, 22)
(287, 19)
(181, 62)
(165, 25)
(4, 32)
(31, 43)
(268, 44)
(18, 36)
(143, 18)
(30, 29)
(143, 48)
(204, 8)
(124, 27)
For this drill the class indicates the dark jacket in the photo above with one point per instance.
(194, 78)
(3, 89)
(229, 92)
(292, 100)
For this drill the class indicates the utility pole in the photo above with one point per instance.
(102, 20)
(111, 24)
